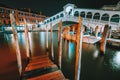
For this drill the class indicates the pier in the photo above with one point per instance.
(42, 68)
(39, 67)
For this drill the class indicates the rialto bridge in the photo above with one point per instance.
(90, 17)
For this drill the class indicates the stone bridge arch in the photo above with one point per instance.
(76, 13)
(89, 15)
(82, 14)
(115, 18)
(105, 17)
(64, 24)
(96, 16)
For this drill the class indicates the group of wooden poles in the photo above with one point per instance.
(78, 37)
(16, 42)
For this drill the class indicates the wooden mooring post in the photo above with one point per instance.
(59, 44)
(16, 43)
(79, 34)
(52, 52)
(73, 29)
(67, 48)
(91, 30)
(96, 31)
(110, 32)
(28, 51)
(104, 39)
(47, 37)
(16, 17)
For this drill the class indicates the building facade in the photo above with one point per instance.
(112, 7)
(31, 18)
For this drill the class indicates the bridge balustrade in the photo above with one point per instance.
(89, 17)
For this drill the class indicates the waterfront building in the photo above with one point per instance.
(112, 7)
(31, 18)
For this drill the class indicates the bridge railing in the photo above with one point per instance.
(65, 18)
(75, 19)
(48, 19)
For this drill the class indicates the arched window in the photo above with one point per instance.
(105, 17)
(2, 10)
(61, 15)
(4, 22)
(53, 18)
(57, 16)
(27, 20)
(115, 18)
(89, 15)
(50, 19)
(76, 14)
(96, 16)
(82, 14)
(47, 21)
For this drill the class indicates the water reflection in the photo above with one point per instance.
(68, 59)
(10, 40)
(42, 38)
(21, 37)
(37, 46)
(96, 54)
(115, 61)
(93, 66)
(71, 50)
(66, 49)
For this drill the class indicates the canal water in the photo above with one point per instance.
(93, 65)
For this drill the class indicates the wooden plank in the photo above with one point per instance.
(45, 65)
(41, 56)
(40, 62)
(56, 75)
(42, 65)
(37, 60)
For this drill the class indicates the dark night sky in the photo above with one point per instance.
(50, 7)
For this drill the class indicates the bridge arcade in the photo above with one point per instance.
(91, 17)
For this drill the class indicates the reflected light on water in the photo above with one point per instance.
(21, 38)
(71, 50)
(116, 61)
(42, 39)
(95, 54)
